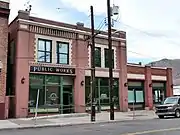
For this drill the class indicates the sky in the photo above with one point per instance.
(152, 26)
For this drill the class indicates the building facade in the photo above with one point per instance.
(54, 59)
(4, 15)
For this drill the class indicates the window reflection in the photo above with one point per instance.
(44, 50)
(62, 53)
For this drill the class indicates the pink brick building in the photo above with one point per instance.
(54, 57)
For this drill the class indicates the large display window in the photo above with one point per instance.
(56, 94)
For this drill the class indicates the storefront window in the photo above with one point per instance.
(36, 83)
(135, 92)
(52, 80)
(139, 96)
(102, 92)
(130, 96)
(104, 95)
(53, 96)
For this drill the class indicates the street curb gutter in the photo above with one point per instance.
(66, 125)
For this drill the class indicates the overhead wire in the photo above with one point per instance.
(154, 35)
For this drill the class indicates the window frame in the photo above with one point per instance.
(130, 88)
(107, 65)
(45, 51)
(99, 58)
(59, 53)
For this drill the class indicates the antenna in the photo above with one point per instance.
(28, 6)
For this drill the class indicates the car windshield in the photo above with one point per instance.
(171, 100)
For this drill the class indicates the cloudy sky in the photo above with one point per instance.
(152, 26)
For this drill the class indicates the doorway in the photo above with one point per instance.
(68, 99)
(158, 96)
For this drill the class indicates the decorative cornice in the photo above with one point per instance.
(4, 12)
(67, 29)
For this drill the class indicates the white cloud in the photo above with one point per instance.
(157, 17)
(38, 9)
(15, 6)
(84, 5)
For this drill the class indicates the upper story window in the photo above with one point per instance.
(12, 52)
(97, 56)
(44, 50)
(62, 53)
(106, 52)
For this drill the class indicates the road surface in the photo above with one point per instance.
(145, 127)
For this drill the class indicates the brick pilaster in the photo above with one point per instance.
(169, 82)
(122, 66)
(4, 14)
(148, 88)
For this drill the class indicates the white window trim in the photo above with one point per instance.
(102, 55)
(54, 43)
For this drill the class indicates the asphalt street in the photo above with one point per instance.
(145, 127)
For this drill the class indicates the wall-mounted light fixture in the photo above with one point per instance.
(150, 85)
(82, 83)
(1, 65)
(125, 84)
(23, 80)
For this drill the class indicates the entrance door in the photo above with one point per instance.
(67, 99)
(158, 96)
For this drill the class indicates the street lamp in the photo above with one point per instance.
(1, 65)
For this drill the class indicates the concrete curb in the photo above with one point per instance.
(57, 116)
(68, 125)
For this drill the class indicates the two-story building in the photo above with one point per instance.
(54, 59)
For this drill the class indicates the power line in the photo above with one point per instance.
(154, 35)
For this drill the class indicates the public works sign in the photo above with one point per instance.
(60, 70)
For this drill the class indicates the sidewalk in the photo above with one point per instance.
(73, 119)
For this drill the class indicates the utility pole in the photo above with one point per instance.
(93, 100)
(109, 13)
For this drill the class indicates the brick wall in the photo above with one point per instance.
(4, 14)
(3, 55)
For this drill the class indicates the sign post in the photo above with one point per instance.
(133, 106)
(37, 102)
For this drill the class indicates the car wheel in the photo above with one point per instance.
(177, 113)
(161, 116)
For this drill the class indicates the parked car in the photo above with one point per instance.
(169, 107)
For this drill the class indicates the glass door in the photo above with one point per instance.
(68, 99)
(158, 96)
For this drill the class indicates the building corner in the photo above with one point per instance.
(4, 16)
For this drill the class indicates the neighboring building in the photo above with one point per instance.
(4, 15)
(155, 83)
(54, 57)
(176, 90)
